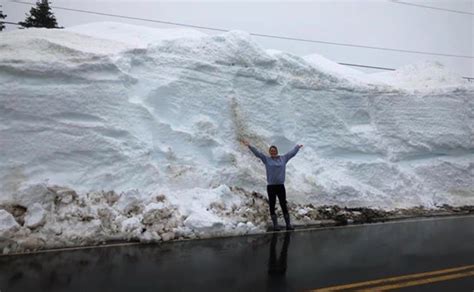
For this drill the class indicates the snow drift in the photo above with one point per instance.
(112, 131)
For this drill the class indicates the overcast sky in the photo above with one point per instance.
(380, 23)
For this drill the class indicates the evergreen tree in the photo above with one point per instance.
(40, 16)
(2, 16)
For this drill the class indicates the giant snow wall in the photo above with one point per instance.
(111, 107)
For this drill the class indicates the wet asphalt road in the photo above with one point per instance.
(294, 261)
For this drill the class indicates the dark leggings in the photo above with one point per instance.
(274, 191)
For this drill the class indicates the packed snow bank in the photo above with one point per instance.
(137, 36)
(422, 76)
(106, 137)
(331, 67)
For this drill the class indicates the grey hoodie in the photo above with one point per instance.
(275, 167)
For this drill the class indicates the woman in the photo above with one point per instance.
(275, 166)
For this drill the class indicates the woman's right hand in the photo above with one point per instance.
(245, 142)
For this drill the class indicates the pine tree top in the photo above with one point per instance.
(2, 16)
(40, 16)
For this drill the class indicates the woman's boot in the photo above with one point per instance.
(287, 221)
(275, 223)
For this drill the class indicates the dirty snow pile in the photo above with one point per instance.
(111, 131)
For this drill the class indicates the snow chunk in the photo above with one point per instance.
(168, 236)
(63, 194)
(154, 212)
(150, 236)
(131, 226)
(204, 223)
(7, 224)
(35, 193)
(35, 216)
(129, 202)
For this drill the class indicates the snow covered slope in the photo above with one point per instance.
(106, 123)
